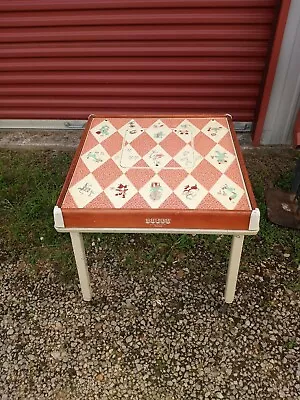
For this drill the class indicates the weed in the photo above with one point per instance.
(294, 286)
(291, 344)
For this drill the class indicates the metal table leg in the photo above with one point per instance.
(233, 268)
(82, 268)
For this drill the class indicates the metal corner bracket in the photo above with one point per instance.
(254, 220)
(58, 218)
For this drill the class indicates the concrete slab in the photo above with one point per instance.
(36, 139)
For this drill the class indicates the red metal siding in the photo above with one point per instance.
(70, 59)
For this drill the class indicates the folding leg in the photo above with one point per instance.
(82, 268)
(233, 268)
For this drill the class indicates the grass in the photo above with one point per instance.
(294, 286)
(267, 169)
(30, 183)
(29, 186)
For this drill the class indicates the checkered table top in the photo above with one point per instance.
(175, 173)
(158, 163)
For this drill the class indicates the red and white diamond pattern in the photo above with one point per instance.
(157, 158)
(188, 158)
(227, 192)
(220, 158)
(103, 130)
(214, 130)
(129, 157)
(95, 157)
(158, 131)
(131, 131)
(86, 190)
(186, 131)
(155, 191)
(190, 192)
(116, 173)
(120, 191)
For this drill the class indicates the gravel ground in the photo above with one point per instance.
(160, 334)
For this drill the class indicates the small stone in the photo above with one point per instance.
(286, 255)
(129, 339)
(55, 355)
(58, 326)
(139, 367)
(180, 274)
(10, 331)
(100, 377)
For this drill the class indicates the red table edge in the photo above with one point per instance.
(249, 220)
(242, 164)
(74, 161)
(156, 218)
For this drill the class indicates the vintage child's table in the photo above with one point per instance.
(159, 175)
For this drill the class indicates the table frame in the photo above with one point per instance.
(238, 235)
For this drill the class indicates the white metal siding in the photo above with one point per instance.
(285, 98)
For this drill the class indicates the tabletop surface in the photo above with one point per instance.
(151, 163)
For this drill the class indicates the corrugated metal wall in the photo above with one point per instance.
(68, 59)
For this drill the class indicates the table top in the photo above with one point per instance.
(149, 171)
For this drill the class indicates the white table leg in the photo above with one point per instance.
(82, 268)
(233, 268)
